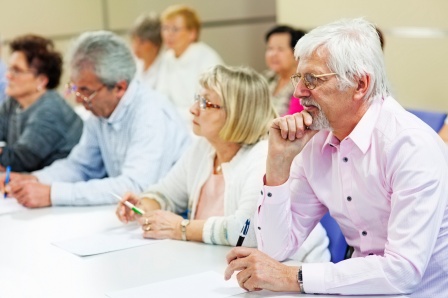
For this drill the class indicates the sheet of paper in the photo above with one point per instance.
(209, 284)
(10, 205)
(111, 240)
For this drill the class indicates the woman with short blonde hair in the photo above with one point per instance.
(185, 58)
(189, 15)
(247, 119)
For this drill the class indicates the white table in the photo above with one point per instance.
(30, 266)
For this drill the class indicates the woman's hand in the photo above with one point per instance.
(124, 213)
(161, 224)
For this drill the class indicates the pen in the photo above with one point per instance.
(130, 205)
(8, 173)
(243, 233)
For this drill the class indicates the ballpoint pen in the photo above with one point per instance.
(130, 205)
(243, 233)
(8, 173)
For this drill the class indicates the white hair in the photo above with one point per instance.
(353, 48)
(106, 54)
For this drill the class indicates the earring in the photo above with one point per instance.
(39, 88)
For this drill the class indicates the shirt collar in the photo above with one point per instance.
(118, 114)
(362, 133)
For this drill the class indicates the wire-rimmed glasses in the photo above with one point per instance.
(309, 79)
(71, 88)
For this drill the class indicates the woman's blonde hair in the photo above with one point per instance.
(245, 98)
(190, 16)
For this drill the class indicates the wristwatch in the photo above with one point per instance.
(300, 280)
(183, 226)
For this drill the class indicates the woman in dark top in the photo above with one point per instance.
(37, 126)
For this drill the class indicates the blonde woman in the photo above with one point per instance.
(218, 180)
(186, 57)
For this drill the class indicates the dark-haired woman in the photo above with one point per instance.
(279, 57)
(37, 126)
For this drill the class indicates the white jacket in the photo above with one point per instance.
(179, 192)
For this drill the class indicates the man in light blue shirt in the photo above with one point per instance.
(133, 139)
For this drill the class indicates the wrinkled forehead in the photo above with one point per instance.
(316, 61)
(84, 77)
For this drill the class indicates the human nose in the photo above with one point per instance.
(79, 98)
(194, 108)
(270, 52)
(301, 90)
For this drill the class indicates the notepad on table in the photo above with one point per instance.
(207, 284)
(10, 205)
(111, 240)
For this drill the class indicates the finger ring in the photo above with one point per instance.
(147, 228)
(146, 221)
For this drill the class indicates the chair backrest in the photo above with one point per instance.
(338, 246)
(433, 119)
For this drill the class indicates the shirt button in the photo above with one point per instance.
(269, 194)
(261, 192)
(345, 159)
(349, 198)
(364, 233)
(259, 228)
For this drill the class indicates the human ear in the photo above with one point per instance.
(363, 84)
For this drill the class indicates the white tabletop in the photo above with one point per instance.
(30, 266)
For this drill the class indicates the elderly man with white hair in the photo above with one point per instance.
(354, 152)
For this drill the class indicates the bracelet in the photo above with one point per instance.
(300, 280)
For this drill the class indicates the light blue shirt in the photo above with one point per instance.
(131, 150)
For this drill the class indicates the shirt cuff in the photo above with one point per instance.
(270, 195)
(42, 177)
(312, 276)
(275, 195)
(61, 193)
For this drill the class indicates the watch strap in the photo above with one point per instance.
(300, 280)
(183, 226)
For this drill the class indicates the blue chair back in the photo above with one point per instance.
(433, 119)
(338, 246)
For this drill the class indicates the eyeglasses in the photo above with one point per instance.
(309, 79)
(171, 29)
(71, 88)
(204, 103)
(15, 71)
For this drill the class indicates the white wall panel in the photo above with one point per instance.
(417, 66)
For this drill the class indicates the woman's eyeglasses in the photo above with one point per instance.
(204, 103)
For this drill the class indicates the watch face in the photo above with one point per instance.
(184, 222)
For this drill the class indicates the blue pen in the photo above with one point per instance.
(8, 173)
(243, 233)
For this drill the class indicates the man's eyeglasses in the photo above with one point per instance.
(71, 88)
(204, 103)
(309, 79)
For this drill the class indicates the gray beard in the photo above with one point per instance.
(320, 121)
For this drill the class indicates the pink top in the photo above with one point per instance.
(294, 106)
(386, 185)
(211, 199)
